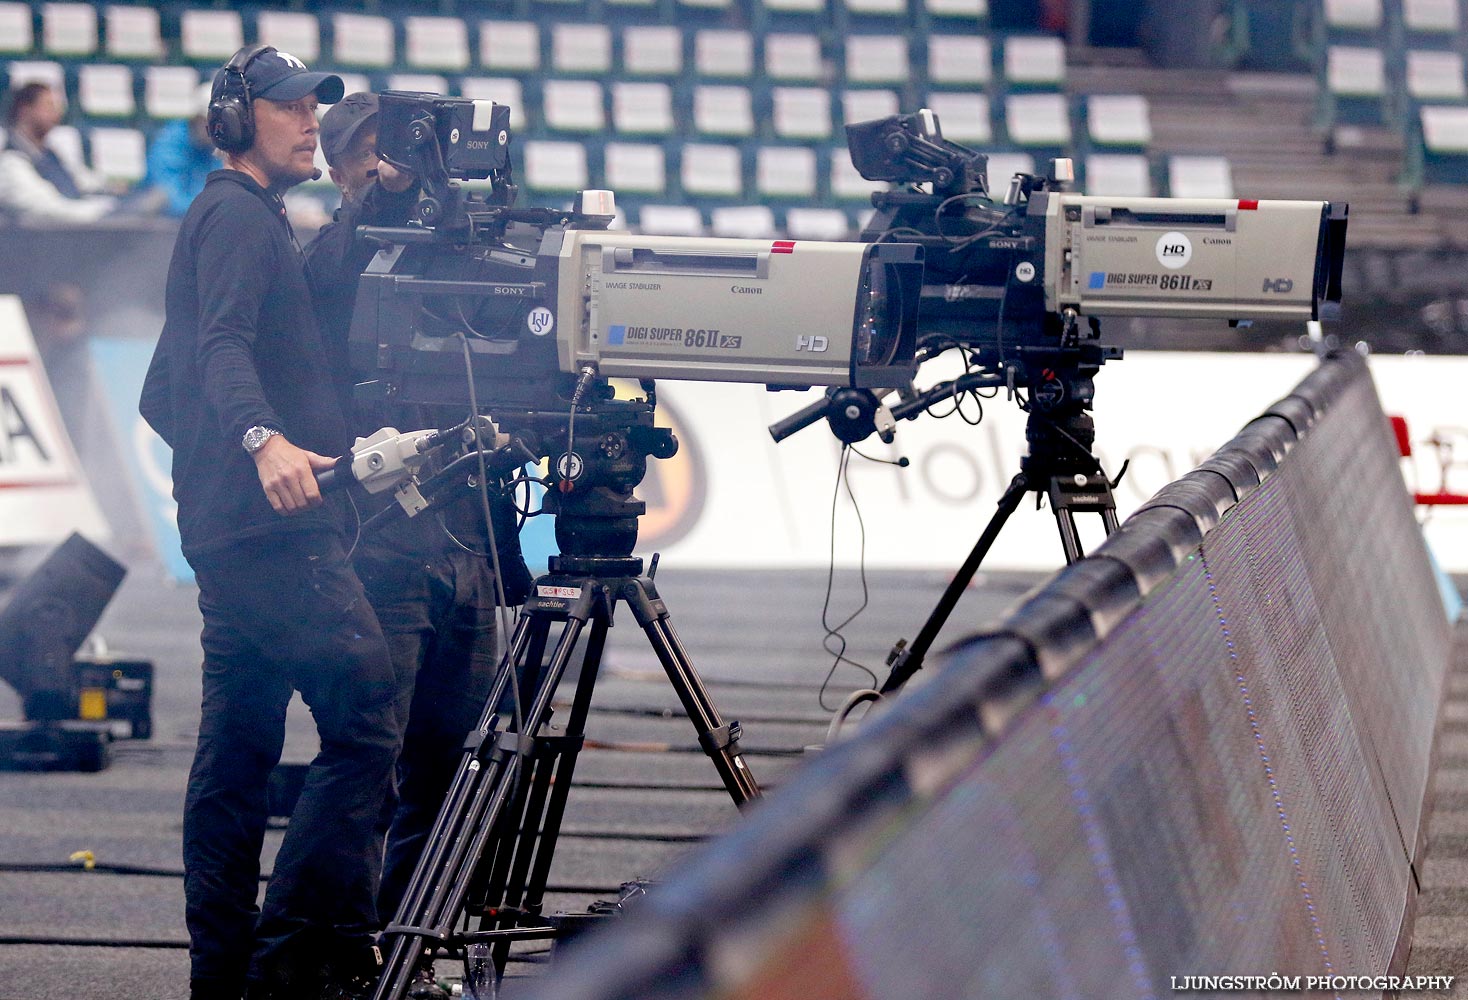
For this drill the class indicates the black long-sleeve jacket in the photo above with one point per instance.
(240, 347)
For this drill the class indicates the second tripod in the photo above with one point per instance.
(1059, 466)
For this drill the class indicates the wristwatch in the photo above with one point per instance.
(256, 437)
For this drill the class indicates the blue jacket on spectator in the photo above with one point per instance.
(178, 165)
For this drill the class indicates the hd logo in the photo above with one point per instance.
(1174, 250)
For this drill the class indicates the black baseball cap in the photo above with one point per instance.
(341, 123)
(280, 76)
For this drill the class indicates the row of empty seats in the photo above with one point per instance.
(656, 108)
(962, 53)
(703, 171)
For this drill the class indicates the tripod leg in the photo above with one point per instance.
(486, 780)
(719, 740)
(1070, 537)
(908, 661)
(522, 873)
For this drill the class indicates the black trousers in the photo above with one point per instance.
(283, 614)
(438, 613)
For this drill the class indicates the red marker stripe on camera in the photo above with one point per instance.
(783, 246)
(1248, 205)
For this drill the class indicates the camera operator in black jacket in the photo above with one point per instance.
(240, 389)
(429, 578)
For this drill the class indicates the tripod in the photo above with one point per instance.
(489, 854)
(1060, 466)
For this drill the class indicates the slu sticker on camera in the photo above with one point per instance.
(565, 593)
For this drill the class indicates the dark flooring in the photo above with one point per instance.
(644, 796)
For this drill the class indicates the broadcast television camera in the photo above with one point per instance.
(1010, 281)
(541, 295)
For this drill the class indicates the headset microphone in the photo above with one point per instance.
(316, 174)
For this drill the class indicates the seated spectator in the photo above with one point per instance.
(35, 184)
(180, 158)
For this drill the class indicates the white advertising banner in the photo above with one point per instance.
(732, 497)
(44, 496)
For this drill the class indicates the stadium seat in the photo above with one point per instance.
(363, 40)
(1435, 76)
(817, 224)
(1037, 119)
(435, 43)
(846, 183)
(502, 90)
(555, 166)
(1425, 21)
(717, 52)
(106, 91)
(723, 111)
(963, 117)
(17, 32)
(1438, 152)
(793, 57)
(1355, 85)
(889, 8)
(581, 48)
(423, 83)
(958, 59)
(66, 142)
(877, 59)
(640, 168)
(1004, 165)
(670, 220)
(978, 9)
(1119, 120)
(290, 31)
(795, 6)
(785, 171)
(1200, 177)
(868, 105)
(642, 108)
(1034, 61)
(573, 106)
(707, 4)
(743, 222)
(353, 83)
(119, 154)
(23, 71)
(709, 169)
(69, 29)
(170, 91)
(210, 36)
(132, 33)
(509, 46)
(652, 50)
(1353, 15)
(1120, 174)
(802, 112)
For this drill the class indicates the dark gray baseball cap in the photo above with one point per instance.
(342, 122)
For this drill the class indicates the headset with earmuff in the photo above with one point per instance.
(231, 113)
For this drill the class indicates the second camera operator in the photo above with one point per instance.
(429, 578)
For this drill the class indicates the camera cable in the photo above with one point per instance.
(502, 634)
(834, 642)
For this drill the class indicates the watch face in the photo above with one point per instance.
(256, 437)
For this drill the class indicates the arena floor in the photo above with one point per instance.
(754, 637)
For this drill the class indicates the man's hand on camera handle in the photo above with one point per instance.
(288, 475)
(392, 179)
